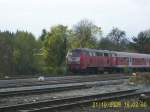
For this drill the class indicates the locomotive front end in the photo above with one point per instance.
(73, 60)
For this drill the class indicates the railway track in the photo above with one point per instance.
(59, 80)
(85, 82)
(9, 92)
(63, 103)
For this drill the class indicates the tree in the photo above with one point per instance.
(6, 52)
(141, 43)
(106, 44)
(116, 35)
(25, 47)
(85, 33)
(115, 40)
(43, 35)
(55, 47)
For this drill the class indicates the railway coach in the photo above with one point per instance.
(84, 59)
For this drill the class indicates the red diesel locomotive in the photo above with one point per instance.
(84, 59)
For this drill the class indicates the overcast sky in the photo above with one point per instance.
(132, 16)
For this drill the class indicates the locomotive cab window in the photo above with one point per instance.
(97, 53)
(87, 53)
(106, 54)
(100, 54)
(84, 52)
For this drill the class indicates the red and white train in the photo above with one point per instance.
(83, 59)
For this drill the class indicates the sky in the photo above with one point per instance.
(131, 16)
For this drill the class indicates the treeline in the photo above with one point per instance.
(22, 53)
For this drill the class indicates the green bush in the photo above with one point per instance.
(56, 70)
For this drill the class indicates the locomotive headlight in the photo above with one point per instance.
(69, 59)
(77, 60)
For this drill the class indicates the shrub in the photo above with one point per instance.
(56, 70)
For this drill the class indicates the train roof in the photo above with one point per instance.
(120, 54)
(91, 50)
(135, 55)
